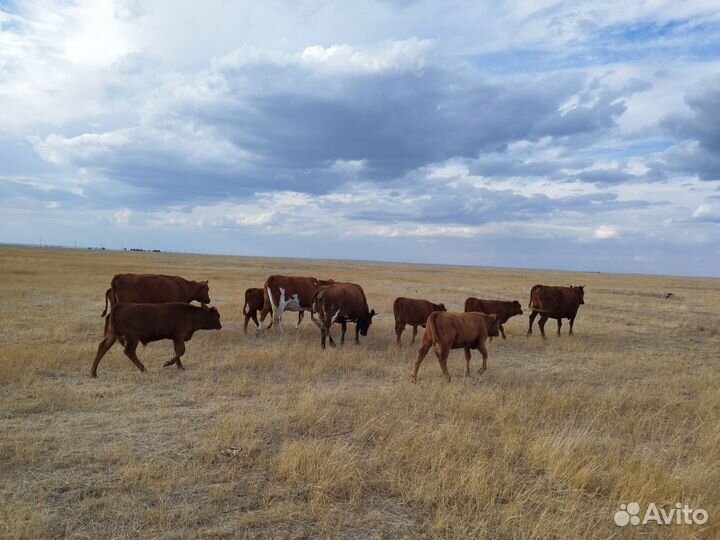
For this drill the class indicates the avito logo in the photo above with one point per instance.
(680, 514)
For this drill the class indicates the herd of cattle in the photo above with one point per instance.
(149, 307)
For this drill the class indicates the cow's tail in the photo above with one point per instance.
(430, 327)
(108, 298)
(245, 311)
(111, 326)
(273, 307)
(532, 292)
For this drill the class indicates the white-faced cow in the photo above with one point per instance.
(445, 331)
(288, 293)
(413, 312)
(154, 289)
(341, 303)
(555, 303)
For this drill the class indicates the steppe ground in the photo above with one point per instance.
(339, 444)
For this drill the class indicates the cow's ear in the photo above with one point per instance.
(372, 313)
(205, 282)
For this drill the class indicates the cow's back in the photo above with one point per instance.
(150, 288)
(457, 330)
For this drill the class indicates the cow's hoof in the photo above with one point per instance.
(93, 375)
(481, 371)
(181, 367)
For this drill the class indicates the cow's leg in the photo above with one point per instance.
(502, 331)
(399, 329)
(179, 351)
(104, 347)
(483, 350)
(343, 327)
(443, 358)
(541, 324)
(467, 362)
(414, 334)
(130, 348)
(532, 320)
(559, 326)
(422, 352)
(248, 316)
(263, 315)
(301, 314)
(572, 321)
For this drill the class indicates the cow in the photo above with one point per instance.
(555, 303)
(413, 312)
(341, 303)
(503, 309)
(131, 324)
(447, 330)
(288, 293)
(154, 289)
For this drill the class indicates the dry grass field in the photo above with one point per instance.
(339, 444)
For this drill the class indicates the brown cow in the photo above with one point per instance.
(503, 309)
(555, 303)
(413, 312)
(154, 289)
(288, 293)
(131, 324)
(445, 331)
(341, 303)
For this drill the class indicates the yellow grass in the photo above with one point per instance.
(339, 444)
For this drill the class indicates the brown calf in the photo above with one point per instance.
(341, 303)
(555, 303)
(503, 309)
(131, 324)
(445, 331)
(413, 312)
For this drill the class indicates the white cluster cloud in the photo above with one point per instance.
(589, 125)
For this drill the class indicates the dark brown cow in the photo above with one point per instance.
(503, 309)
(555, 303)
(131, 324)
(154, 289)
(341, 303)
(288, 293)
(445, 331)
(413, 312)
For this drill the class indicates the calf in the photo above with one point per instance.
(341, 303)
(504, 310)
(131, 324)
(445, 331)
(154, 289)
(555, 303)
(413, 312)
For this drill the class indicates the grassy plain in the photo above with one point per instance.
(339, 444)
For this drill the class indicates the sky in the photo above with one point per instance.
(575, 135)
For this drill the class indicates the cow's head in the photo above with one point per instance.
(202, 292)
(516, 308)
(580, 292)
(493, 328)
(212, 321)
(440, 307)
(365, 321)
